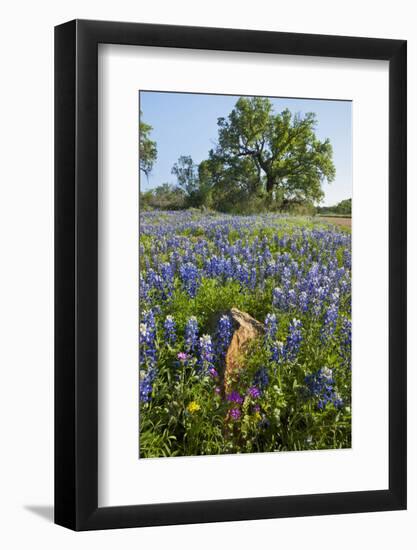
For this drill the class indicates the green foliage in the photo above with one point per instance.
(187, 417)
(164, 197)
(194, 180)
(277, 152)
(147, 147)
(343, 208)
(263, 161)
(187, 175)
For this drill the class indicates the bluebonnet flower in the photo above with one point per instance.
(148, 318)
(329, 323)
(270, 269)
(167, 276)
(346, 341)
(320, 385)
(347, 258)
(286, 278)
(252, 278)
(303, 301)
(223, 336)
(147, 338)
(169, 329)
(154, 281)
(147, 355)
(277, 351)
(271, 326)
(190, 278)
(174, 260)
(144, 289)
(206, 353)
(292, 298)
(191, 334)
(292, 344)
(146, 384)
(261, 379)
(242, 274)
(279, 299)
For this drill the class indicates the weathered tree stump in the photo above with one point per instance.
(248, 329)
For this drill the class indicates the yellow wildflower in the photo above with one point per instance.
(193, 407)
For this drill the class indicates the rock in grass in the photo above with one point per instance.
(248, 329)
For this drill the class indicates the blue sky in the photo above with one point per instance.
(186, 124)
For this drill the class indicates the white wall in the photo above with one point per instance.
(26, 272)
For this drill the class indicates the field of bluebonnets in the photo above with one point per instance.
(293, 390)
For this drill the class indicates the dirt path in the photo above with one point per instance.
(346, 222)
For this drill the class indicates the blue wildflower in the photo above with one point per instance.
(279, 299)
(261, 379)
(223, 336)
(169, 329)
(292, 344)
(191, 334)
(320, 385)
(206, 353)
(146, 384)
(271, 325)
(346, 341)
(329, 323)
(190, 278)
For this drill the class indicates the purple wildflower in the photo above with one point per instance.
(235, 397)
(235, 414)
(254, 392)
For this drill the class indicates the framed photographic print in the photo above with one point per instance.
(230, 244)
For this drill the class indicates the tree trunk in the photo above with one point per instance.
(269, 183)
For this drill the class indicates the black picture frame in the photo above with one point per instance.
(76, 272)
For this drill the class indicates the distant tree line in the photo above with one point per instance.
(262, 162)
(343, 208)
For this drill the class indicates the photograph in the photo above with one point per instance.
(209, 275)
(245, 274)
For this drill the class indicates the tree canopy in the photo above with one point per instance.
(147, 147)
(262, 160)
(279, 152)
